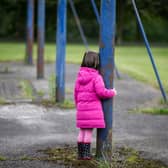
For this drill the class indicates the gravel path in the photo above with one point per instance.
(26, 128)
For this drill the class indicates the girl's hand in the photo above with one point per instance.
(115, 92)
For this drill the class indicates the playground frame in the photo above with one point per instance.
(107, 43)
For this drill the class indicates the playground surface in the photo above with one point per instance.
(26, 127)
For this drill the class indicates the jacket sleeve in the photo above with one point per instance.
(75, 93)
(100, 89)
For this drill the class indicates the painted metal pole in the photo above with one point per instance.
(149, 51)
(98, 20)
(107, 40)
(30, 32)
(79, 24)
(41, 38)
(61, 50)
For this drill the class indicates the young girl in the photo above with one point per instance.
(89, 90)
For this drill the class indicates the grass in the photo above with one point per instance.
(67, 156)
(2, 158)
(2, 101)
(27, 89)
(26, 158)
(161, 108)
(154, 111)
(121, 157)
(133, 60)
(67, 104)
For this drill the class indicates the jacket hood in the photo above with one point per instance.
(85, 75)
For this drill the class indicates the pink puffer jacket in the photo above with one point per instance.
(89, 90)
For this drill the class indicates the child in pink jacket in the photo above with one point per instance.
(89, 90)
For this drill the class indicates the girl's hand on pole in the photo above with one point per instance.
(115, 92)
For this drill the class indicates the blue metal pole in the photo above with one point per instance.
(41, 38)
(30, 32)
(95, 11)
(98, 20)
(61, 50)
(107, 40)
(149, 51)
(79, 24)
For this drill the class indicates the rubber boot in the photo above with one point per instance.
(80, 150)
(86, 151)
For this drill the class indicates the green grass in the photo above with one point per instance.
(161, 108)
(26, 158)
(155, 111)
(26, 88)
(67, 104)
(121, 157)
(133, 60)
(2, 101)
(2, 158)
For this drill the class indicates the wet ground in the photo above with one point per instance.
(26, 128)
